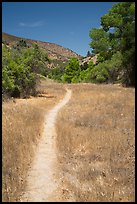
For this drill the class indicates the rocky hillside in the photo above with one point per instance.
(54, 51)
(86, 60)
(59, 55)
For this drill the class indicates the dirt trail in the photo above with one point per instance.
(41, 182)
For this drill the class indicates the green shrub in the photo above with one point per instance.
(75, 79)
(107, 71)
(72, 70)
(85, 74)
(100, 72)
(17, 76)
(56, 74)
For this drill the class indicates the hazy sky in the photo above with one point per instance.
(64, 23)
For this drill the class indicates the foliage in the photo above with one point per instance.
(122, 18)
(84, 66)
(108, 70)
(117, 34)
(99, 73)
(84, 75)
(115, 67)
(100, 59)
(39, 61)
(56, 74)
(59, 64)
(100, 42)
(19, 68)
(72, 71)
(17, 77)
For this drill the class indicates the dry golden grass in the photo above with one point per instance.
(22, 125)
(96, 143)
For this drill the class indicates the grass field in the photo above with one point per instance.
(96, 143)
(22, 126)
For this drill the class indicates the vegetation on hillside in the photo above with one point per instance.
(114, 45)
(20, 66)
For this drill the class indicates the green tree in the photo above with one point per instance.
(99, 59)
(72, 70)
(88, 54)
(122, 19)
(17, 76)
(20, 67)
(108, 70)
(86, 73)
(39, 61)
(114, 67)
(118, 34)
(56, 74)
(100, 72)
(100, 43)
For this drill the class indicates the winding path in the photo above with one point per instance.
(41, 181)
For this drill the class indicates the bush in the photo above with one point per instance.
(85, 75)
(107, 71)
(20, 66)
(75, 79)
(56, 74)
(72, 70)
(17, 76)
(100, 72)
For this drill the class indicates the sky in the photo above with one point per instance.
(64, 23)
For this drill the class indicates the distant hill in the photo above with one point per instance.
(54, 51)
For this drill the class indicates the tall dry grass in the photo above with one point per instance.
(22, 126)
(96, 144)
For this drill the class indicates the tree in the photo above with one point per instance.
(122, 19)
(88, 54)
(72, 70)
(100, 43)
(56, 73)
(86, 73)
(117, 34)
(39, 60)
(17, 76)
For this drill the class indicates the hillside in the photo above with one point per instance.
(57, 53)
(54, 51)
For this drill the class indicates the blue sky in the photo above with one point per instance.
(64, 23)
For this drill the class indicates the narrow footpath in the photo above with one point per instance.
(42, 182)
